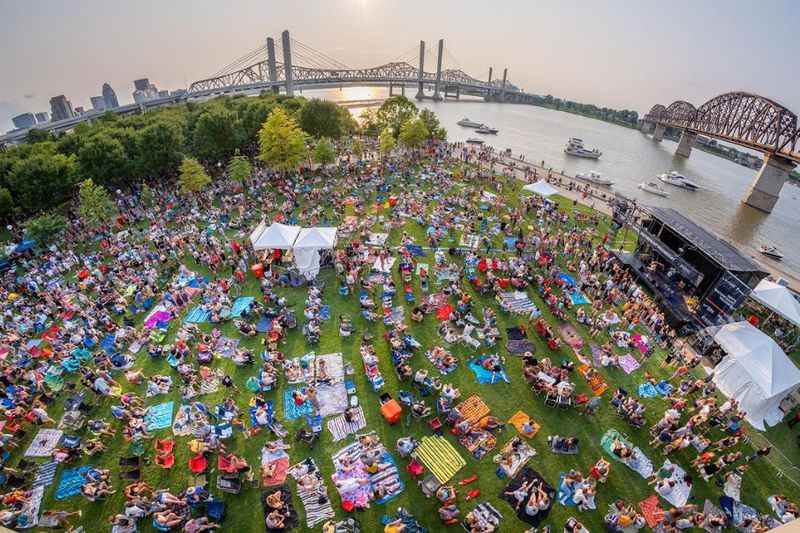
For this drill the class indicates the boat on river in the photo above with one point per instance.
(594, 177)
(676, 180)
(575, 147)
(473, 140)
(653, 188)
(771, 251)
(467, 123)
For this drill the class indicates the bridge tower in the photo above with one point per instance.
(421, 74)
(766, 187)
(685, 144)
(503, 88)
(286, 44)
(436, 95)
(489, 90)
(272, 70)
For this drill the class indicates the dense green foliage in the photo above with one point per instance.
(96, 206)
(282, 144)
(46, 228)
(323, 118)
(413, 133)
(324, 152)
(193, 177)
(620, 116)
(386, 142)
(394, 112)
(435, 130)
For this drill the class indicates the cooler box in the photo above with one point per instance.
(391, 411)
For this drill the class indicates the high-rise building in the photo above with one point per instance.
(24, 121)
(98, 103)
(142, 84)
(110, 97)
(60, 108)
(42, 117)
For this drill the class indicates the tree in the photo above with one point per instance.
(394, 112)
(6, 204)
(102, 159)
(35, 135)
(386, 142)
(46, 228)
(159, 146)
(215, 133)
(281, 141)
(324, 152)
(193, 177)
(147, 196)
(43, 179)
(431, 121)
(321, 118)
(96, 206)
(240, 170)
(413, 133)
(358, 148)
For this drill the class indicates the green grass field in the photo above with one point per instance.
(244, 511)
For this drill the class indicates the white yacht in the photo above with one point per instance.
(594, 177)
(575, 147)
(653, 188)
(676, 180)
(771, 251)
(486, 130)
(467, 123)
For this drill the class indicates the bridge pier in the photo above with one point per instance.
(403, 89)
(436, 95)
(766, 187)
(421, 74)
(646, 126)
(287, 62)
(658, 132)
(391, 89)
(685, 144)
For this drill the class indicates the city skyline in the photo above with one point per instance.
(619, 55)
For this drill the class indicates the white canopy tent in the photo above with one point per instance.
(276, 236)
(307, 246)
(755, 371)
(542, 188)
(778, 299)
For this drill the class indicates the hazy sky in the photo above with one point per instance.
(626, 53)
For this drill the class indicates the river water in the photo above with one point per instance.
(629, 158)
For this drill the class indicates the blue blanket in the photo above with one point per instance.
(510, 242)
(566, 278)
(71, 482)
(578, 298)
(159, 416)
(108, 343)
(264, 325)
(197, 315)
(325, 312)
(647, 390)
(291, 410)
(486, 376)
(664, 388)
(565, 493)
(415, 250)
(240, 305)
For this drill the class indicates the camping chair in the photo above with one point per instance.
(215, 509)
(230, 483)
(315, 423)
(198, 464)
(165, 461)
(164, 446)
(415, 468)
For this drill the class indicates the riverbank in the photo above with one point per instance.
(599, 199)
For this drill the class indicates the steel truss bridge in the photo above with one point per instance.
(290, 64)
(740, 118)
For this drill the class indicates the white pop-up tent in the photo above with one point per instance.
(307, 246)
(542, 188)
(276, 236)
(755, 371)
(778, 299)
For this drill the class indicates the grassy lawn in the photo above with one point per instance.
(244, 511)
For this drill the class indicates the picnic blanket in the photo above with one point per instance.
(483, 375)
(519, 452)
(332, 398)
(291, 410)
(240, 305)
(316, 502)
(264, 324)
(518, 302)
(292, 520)
(578, 298)
(486, 514)
(652, 511)
(638, 462)
(527, 475)
(71, 482)
(473, 409)
(44, 443)
(384, 265)
(597, 354)
(711, 510)
(387, 478)
(440, 457)
(226, 347)
(334, 367)
(571, 336)
(45, 474)
(681, 491)
(566, 494)
(737, 512)
(648, 390)
(159, 416)
(157, 316)
(29, 517)
(469, 240)
(519, 419)
(628, 363)
(197, 315)
(340, 428)
(279, 474)
(377, 239)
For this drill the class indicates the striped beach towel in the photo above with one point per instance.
(316, 502)
(45, 474)
(340, 428)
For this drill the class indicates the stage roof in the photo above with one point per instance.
(721, 251)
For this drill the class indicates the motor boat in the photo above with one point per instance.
(653, 188)
(473, 140)
(486, 130)
(676, 180)
(771, 251)
(467, 123)
(575, 147)
(594, 177)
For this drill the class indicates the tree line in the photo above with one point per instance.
(625, 117)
